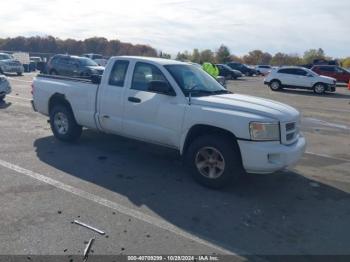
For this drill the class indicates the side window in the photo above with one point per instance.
(327, 69)
(145, 73)
(339, 70)
(118, 73)
(286, 71)
(300, 72)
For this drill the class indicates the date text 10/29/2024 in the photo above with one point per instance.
(173, 258)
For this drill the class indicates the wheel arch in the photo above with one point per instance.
(204, 129)
(59, 99)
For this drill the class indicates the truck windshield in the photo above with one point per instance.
(194, 80)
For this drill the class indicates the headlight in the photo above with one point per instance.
(264, 131)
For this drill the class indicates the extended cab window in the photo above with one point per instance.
(118, 73)
(145, 73)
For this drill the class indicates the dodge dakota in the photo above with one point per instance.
(219, 134)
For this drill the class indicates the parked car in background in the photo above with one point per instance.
(341, 74)
(299, 77)
(5, 87)
(219, 134)
(228, 72)
(99, 59)
(73, 66)
(263, 69)
(8, 64)
(244, 69)
(34, 61)
(23, 58)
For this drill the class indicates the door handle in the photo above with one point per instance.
(134, 100)
(106, 117)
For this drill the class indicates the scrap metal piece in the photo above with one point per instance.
(87, 249)
(89, 227)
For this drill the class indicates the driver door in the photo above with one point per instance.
(151, 116)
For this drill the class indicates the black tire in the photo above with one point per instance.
(230, 153)
(319, 88)
(73, 130)
(275, 85)
(19, 73)
(2, 97)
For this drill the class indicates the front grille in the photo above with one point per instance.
(289, 132)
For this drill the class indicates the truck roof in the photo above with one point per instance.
(161, 61)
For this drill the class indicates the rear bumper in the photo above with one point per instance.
(269, 157)
(33, 105)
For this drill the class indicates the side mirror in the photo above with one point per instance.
(96, 79)
(161, 87)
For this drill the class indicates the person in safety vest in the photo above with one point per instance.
(211, 69)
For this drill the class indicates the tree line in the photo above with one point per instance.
(100, 45)
(54, 45)
(256, 57)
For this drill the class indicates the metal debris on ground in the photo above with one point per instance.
(89, 227)
(88, 248)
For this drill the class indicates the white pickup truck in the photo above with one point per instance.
(220, 135)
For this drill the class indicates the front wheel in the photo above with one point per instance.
(275, 85)
(2, 97)
(214, 161)
(63, 124)
(319, 89)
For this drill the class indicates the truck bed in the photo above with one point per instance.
(67, 78)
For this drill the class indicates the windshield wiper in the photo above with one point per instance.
(219, 92)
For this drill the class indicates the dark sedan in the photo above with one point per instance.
(228, 72)
(244, 69)
(73, 66)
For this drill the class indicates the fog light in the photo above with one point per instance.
(273, 158)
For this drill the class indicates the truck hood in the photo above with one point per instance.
(250, 104)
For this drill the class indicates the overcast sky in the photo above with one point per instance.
(290, 26)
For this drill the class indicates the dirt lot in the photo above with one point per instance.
(142, 197)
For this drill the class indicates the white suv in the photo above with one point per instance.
(299, 77)
(263, 69)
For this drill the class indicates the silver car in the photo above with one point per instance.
(5, 87)
(10, 65)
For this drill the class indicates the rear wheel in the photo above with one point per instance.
(275, 85)
(319, 89)
(214, 161)
(63, 124)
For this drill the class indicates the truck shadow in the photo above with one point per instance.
(262, 215)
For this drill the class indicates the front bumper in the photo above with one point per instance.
(269, 157)
(331, 87)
